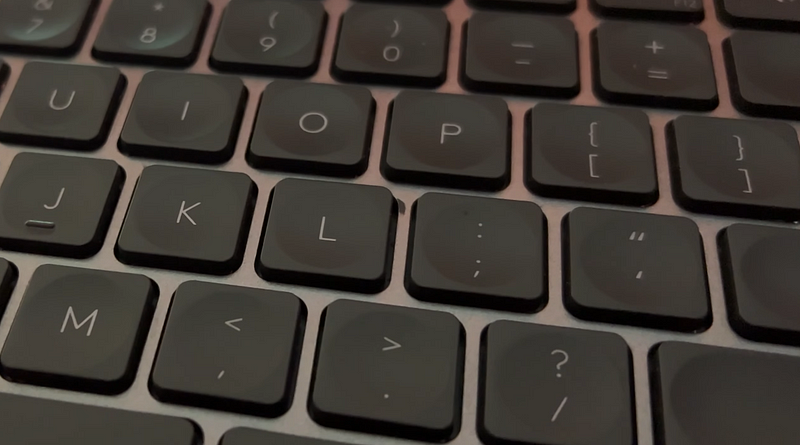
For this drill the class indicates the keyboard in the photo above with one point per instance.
(322, 222)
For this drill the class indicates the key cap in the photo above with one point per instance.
(653, 65)
(521, 54)
(248, 436)
(735, 167)
(404, 45)
(289, 45)
(155, 32)
(477, 252)
(773, 15)
(590, 153)
(53, 27)
(543, 384)
(247, 361)
(389, 370)
(184, 117)
(188, 219)
(8, 279)
(759, 267)
(313, 128)
(79, 329)
(707, 395)
(533, 5)
(448, 140)
(676, 10)
(327, 234)
(58, 205)
(762, 70)
(3, 73)
(26, 420)
(62, 106)
(635, 268)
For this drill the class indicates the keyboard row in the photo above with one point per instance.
(380, 369)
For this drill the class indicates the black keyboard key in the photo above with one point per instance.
(54, 27)
(568, 374)
(26, 420)
(184, 117)
(591, 153)
(79, 329)
(521, 54)
(769, 15)
(448, 140)
(635, 268)
(392, 44)
(58, 205)
(762, 70)
(653, 65)
(532, 5)
(289, 44)
(328, 234)
(708, 395)
(8, 279)
(313, 128)
(3, 74)
(188, 219)
(478, 252)
(247, 360)
(678, 10)
(389, 370)
(156, 32)
(248, 436)
(735, 167)
(759, 266)
(62, 106)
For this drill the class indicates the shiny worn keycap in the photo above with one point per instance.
(525, 5)
(769, 15)
(249, 436)
(52, 27)
(677, 10)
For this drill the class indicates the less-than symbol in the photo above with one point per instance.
(232, 324)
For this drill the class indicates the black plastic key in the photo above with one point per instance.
(79, 329)
(248, 436)
(313, 128)
(635, 268)
(448, 140)
(392, 44)
(62, 106)
(543, 385)
(188, 219)
(769, 15)
(327, 234)
(185, 117)
(735, 167)
(591, 153)
(247, 360)
(762, 71)
(523, 5)
(289, 44)
(653, 65)
(521, 54)
(677, 10)
(156, 32)
(53, 27)
(707, 395)
(478, 252)
(8, 279)
(389, 370)
(3, 73)
(58, 205)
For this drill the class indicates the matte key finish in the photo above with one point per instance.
(591, 153)
(248, 436)
(653, 65)
(327, 234)
(478, 252)
(62, 106)
(3, 74)
(521, 54)
(759, 265)
(679, 10)
(392, 44)
(188, 219)
(707, 395)
(524, 398)
(635, 268)
(247, 359)
(8, 279)
(771, 15)
(53, 27)
(290, 44)
(166, 32)
(533, 5)
(313, 128)
(79, 329)
(389, 370)
(735, 167)
(184, 117)
(448, 140)
(58, 205)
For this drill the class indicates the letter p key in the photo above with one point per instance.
(449, 130)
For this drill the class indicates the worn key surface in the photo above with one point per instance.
(51, 27)
(249, 436)
(678, 10)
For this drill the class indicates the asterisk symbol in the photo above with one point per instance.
(158, 7)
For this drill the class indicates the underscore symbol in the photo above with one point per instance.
(591, 166)
(658, 74)
(394, 345)
(633, 236)
(322, 232)
(558, 410)
(741, 148)
(747, 180)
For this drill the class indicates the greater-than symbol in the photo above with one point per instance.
(394, 345)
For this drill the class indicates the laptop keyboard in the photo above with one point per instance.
(321, 222)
